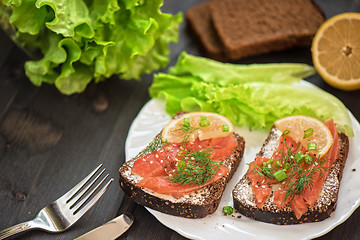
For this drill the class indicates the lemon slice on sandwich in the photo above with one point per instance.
(312, 133)
(202, 125)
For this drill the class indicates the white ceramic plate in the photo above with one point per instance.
(152, 118)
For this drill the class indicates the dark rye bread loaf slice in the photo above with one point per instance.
(195, 205)
(244, 201)
(200, 25)
(248, 28)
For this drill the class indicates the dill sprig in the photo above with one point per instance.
(197, 167)
(185, 130)
(299, 176)
(264, 171)
(156, 144)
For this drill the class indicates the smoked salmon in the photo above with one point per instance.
(286, 194)
(157, 168)
(185, 169)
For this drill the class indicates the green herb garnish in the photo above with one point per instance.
(308, 159)
(204, 122)
(268, 163)
(264, 171)
(181, 164)
(225, 128)
(311, 146)
(280, 175)
(289, 170)
(277, 164)
(187, 121)
(228, 210)
(286, 166)
(196, 167)
(156, 144)
(185, 130)
(286, 132)
(300, 178)
(308, 132)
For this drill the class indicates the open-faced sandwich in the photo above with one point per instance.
(185, 169)
(295, 177)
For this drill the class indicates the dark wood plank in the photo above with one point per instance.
(49, 142)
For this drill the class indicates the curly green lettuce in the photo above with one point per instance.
(87, 40)
(249, 95)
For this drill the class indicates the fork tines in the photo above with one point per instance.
(85, 194)
(65, 211)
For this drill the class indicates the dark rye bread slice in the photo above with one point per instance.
(244, 201)
(195, 205)
(248, 28)
(200, 25)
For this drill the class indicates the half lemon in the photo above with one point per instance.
(336, 51)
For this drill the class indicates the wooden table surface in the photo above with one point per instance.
(49, 142)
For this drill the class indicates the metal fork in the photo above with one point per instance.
(65, 211)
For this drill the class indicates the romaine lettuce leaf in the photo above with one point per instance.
(257, 103)
(238, 73)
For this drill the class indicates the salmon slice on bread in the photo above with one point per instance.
(314, 204)
(153, 187)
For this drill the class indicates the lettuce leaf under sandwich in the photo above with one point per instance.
(270, 92)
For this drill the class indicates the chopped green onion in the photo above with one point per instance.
(308, 159)
(280, 175)
(181, 164)
(286, 132)
(204, 123)
(270, 161)
(308, 132)
(186, 121)
(311, 146)
(286, 166)
(227, 210)
(267, 163)
(277, 163)
(182, 153)
(225, 128)
(299, 157)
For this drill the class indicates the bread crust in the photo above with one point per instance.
(195, 205)
(244, 201)
(201, 26)
(232, 29)
(264, 26)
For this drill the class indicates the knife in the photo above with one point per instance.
(110, 230)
